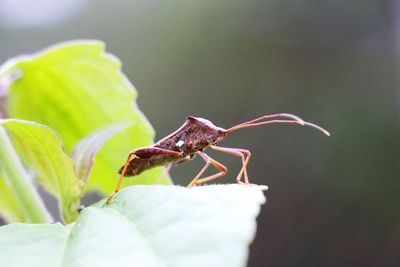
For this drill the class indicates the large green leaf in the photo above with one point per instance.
(41, 147)
(148, 226)
(33, 245)
(76, 88)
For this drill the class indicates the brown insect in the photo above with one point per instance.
(192, 138)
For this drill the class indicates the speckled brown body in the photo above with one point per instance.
(194, 135)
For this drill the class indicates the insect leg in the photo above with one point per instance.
(132, 153)
(239, 153)
(193, 182)
(222, 170)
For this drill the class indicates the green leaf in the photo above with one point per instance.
(9, 208)
(18, 187)
(76, 88)
(33, 245)
(42, 148)
(152, 226)
(85, 151)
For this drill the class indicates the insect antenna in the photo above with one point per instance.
(277, 118)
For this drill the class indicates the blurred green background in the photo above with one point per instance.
(332, 201)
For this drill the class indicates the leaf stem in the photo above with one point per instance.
(20, 184)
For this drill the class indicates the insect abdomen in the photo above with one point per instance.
(138, 165)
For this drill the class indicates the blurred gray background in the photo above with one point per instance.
(332, 201)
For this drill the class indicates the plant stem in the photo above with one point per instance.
(21, 185)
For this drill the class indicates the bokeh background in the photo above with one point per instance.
(332, 201)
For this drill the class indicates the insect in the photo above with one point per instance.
(193, 137)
